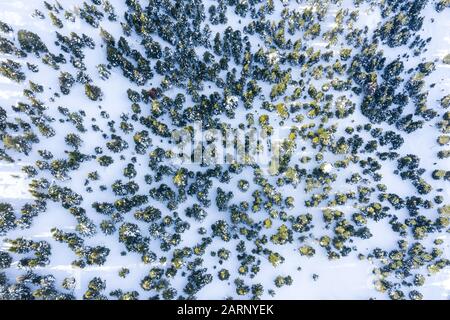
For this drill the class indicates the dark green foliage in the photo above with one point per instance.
(95, 287)
(7, 218)
(31, 42)
(12, 70)
(196, 212)
(66, 81)
(93, 92)
(267, 73)
(5, 260)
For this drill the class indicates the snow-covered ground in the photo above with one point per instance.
(346, 278)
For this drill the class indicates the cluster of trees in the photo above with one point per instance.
(7, 218)
(300, 82)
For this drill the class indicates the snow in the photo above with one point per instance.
(347, 278)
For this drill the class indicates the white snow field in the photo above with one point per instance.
(348, 277)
